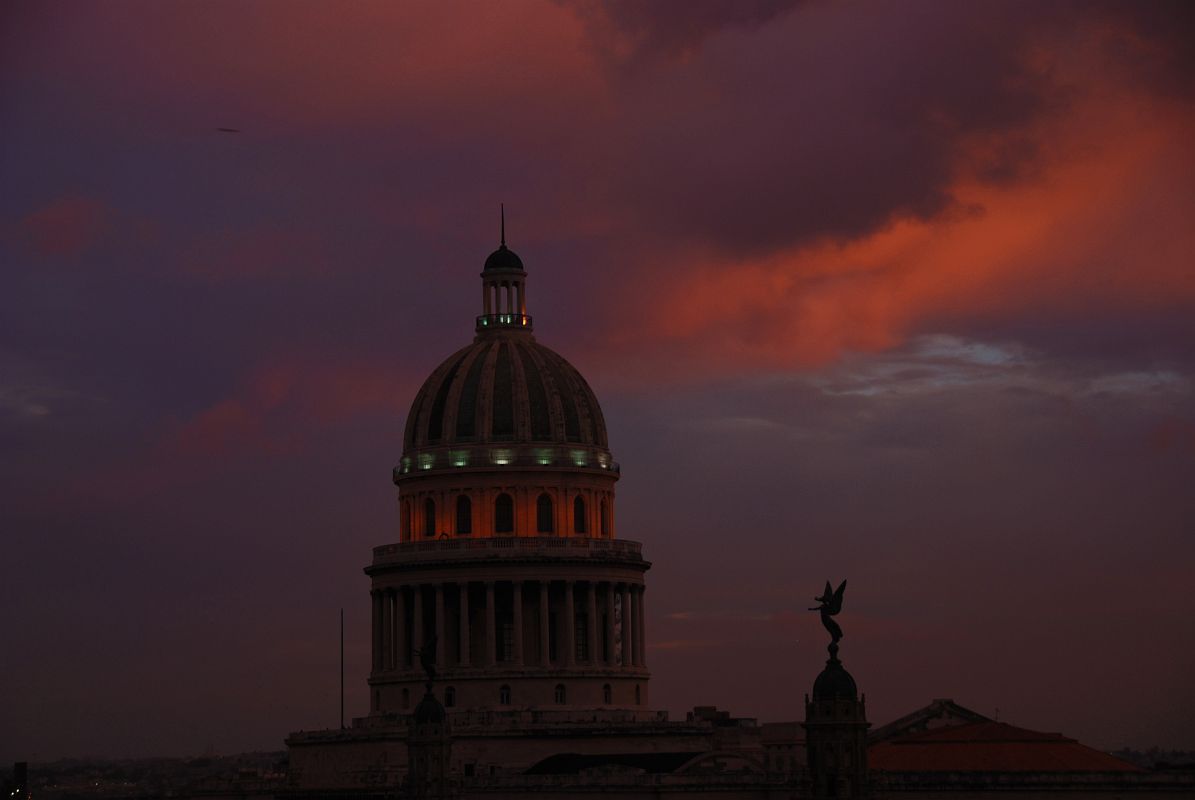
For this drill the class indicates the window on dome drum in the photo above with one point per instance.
(504, 514)
(559, 695)
(638, 695)
(406, 698)
(429, 517)
(449, 697)
(543, 515)
(579, 524)
(605, 510)
(607, 694)
(464, 515)
(504, 695)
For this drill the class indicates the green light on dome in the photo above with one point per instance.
(426, 460)
(501, 456)
(543, 455)
(460, 458)
(578, 458)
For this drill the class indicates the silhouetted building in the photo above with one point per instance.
(429, 751)
(836, 734)
(506, 553)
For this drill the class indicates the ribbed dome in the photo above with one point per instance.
(505, 389)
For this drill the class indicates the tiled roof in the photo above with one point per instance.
(989, 747)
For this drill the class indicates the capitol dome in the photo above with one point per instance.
(508, 562)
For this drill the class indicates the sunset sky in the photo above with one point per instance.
(899, 292)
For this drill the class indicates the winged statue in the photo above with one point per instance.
(831, 604)
(427, 658)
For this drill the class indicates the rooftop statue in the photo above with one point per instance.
(831, 604)
(427, 659)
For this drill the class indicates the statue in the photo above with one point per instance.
(831, 604)
(427, 660)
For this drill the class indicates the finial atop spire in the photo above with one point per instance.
(502, 212)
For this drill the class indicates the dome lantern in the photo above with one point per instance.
(504, 289)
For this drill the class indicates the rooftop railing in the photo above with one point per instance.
(496, 455)
(487, 547)
(487, 321)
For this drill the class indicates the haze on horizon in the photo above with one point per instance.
(901, 293)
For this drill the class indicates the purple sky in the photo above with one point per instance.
(903, 293)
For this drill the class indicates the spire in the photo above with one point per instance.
(502, 212)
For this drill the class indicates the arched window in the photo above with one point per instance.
(607, 694)
(429, 518)
(464, 515)
(543, 515)
(504, 695)
(605, 510)
(449, 696)
(504, 514)
(579, 524)
(559, 694)
(638, 696)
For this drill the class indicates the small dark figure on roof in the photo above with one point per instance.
(831, 604)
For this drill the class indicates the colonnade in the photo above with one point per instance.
(510, 623)
(503, 297)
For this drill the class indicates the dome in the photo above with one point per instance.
(505, 389)
(503, 258)
(429, 711)
(834, 682)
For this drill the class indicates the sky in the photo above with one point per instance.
(901, 293)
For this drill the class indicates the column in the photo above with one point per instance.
(441, 643)
(570, 620)
(417, 621)
(625, 628)
(490, 624)
(608, 630)
(485, 299)
(544, 621)
(400, 628)
(387, 621)
(592, 628)
(376, 624)
(640, 628)
(465, 624)
(516, 592)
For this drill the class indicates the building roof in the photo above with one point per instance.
(942, 711)
(989, 747)
(576, 763)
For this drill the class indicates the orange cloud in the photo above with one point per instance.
(1102, 223)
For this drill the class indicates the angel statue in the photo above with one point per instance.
(427, 659)
(831, 604)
